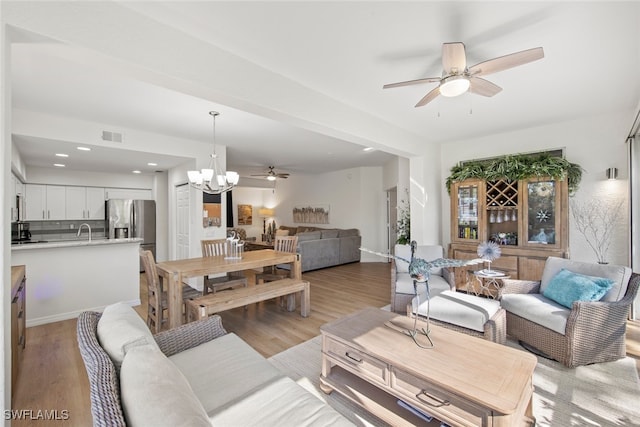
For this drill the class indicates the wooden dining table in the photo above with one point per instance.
(173, 273)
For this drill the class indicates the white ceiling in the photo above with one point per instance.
(347, 51)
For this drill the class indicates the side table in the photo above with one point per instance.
(488, 283)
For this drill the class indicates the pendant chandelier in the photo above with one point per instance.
(214, 179)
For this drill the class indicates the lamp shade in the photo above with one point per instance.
(266, 212)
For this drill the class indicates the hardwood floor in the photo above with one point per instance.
(53, 377)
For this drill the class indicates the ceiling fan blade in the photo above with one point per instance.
(483, 87)
(454, 58)
(412, 82)
(429, 97)
(505, 62)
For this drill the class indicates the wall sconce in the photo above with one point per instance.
(612, 173)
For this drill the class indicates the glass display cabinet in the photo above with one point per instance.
(466, 215)
(527, 218)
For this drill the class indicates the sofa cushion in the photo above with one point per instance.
(538, 309)
(404, 284)
(329, 234)
(155, 393)
(618, 273)
(223, 370)
(348, 232)
(309, 235)
(292, 230)
(304, 229)
(119, 325)
(457, 308)
(281, 402)
(426, 252)
(567, 287)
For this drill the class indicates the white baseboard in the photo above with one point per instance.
(71, 315)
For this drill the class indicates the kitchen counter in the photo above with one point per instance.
(49, 244)
(69, 277)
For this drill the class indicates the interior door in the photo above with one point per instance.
(182, 221)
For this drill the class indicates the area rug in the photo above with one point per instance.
(604, 394)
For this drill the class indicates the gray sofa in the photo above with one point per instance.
(193, 375)
(320, 247)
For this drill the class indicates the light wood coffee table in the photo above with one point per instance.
(463, 381)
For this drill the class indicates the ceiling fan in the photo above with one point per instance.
(271, 175)
(457, 78)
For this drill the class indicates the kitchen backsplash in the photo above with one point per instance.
(65, 230)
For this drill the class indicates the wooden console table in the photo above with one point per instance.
(463, 381)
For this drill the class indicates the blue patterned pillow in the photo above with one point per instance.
(567, 287)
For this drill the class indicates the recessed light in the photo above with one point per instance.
(368, 149)
(152, 164)
(61, 155)
(59, 165)
(136, 171)
(84, 148)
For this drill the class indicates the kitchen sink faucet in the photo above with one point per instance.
(80, 229)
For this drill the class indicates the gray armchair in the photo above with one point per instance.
(588, 332)
(402, 291)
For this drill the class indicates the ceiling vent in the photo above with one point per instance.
(111, 136)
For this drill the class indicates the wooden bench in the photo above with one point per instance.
(204, 306)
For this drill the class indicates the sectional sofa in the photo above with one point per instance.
(323, 247)
(193, 375)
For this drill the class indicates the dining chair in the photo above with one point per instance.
(282, 244)
(156, 296)
(218, 247)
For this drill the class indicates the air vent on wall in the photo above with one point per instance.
(111, 136)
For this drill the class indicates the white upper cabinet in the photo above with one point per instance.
(45, 202)
(128, 193)
(84, 203)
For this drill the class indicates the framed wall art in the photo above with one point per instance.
(245, 214)
(311, 214)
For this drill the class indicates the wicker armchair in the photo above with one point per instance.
(594, 332)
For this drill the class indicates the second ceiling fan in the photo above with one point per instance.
(272, 175)
(457, 78)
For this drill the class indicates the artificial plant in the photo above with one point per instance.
(516, 167)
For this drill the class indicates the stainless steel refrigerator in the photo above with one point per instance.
(132, 218)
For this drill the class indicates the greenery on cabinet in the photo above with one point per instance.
(516, 167)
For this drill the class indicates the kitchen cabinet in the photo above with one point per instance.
(84, 203)
(527, 218)
(45, 202)
(128, 193)
(18, 316)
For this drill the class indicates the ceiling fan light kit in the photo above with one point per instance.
(457, 78)
(454, 85)
(214, 179)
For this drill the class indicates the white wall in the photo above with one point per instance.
(257, 198)
(5, 220)
(595, 143)
(356, 199)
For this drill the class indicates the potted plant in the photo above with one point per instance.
(403, 225)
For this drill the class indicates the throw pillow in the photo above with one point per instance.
(155, 392)
(567, 287)
(119, 325)
(281, 232)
